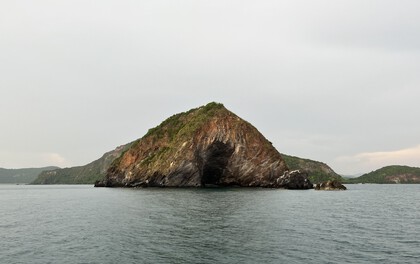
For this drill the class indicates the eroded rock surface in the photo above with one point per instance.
(206, 146)
(294, 180)
(330, 186)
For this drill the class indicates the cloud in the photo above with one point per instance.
(54, 159)
(369, 161)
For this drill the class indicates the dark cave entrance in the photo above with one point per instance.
(215, 161)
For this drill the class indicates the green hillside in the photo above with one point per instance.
(21, 175)
(87, 174)
(318, 171)
(390, 174)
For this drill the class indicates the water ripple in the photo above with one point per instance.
(80, 224)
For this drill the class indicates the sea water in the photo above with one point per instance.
(83, 224)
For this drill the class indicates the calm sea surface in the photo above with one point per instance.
(82, 224)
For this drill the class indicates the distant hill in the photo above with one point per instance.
(390, 174)
(86, 174)
(318, 171)
(21, 175)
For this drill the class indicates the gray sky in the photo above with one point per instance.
(336, 81)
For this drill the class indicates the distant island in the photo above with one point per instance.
(389, 175)
(26, 175)
(208, 145)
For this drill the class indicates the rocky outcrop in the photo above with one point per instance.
(317, 171)
(330, 186)
(294, 180)
(206, 146)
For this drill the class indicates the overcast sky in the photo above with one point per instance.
(335, 81)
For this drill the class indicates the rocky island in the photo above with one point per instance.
(206, 146)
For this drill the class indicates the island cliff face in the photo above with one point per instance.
(206, 146)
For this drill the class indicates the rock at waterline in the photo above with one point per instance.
(330, 186)
(294, 180)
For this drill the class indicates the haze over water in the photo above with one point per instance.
(82, 224)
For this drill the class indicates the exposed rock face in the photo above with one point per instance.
(318, 171)
(330, 186)
(207, 146)
(294, 180)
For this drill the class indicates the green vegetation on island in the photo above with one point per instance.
(318, 171)
(185, 123)
(389, 174)
(177, 128)
(87, 174)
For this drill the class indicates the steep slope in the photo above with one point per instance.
(206, 146)
(390, 174)
(87, 174)
(317, 171)
(21, 175)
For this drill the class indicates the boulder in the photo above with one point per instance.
(294, 180)
(330, 186)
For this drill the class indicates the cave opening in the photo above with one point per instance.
(216, 159)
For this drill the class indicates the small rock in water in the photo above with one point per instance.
(330, 186)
